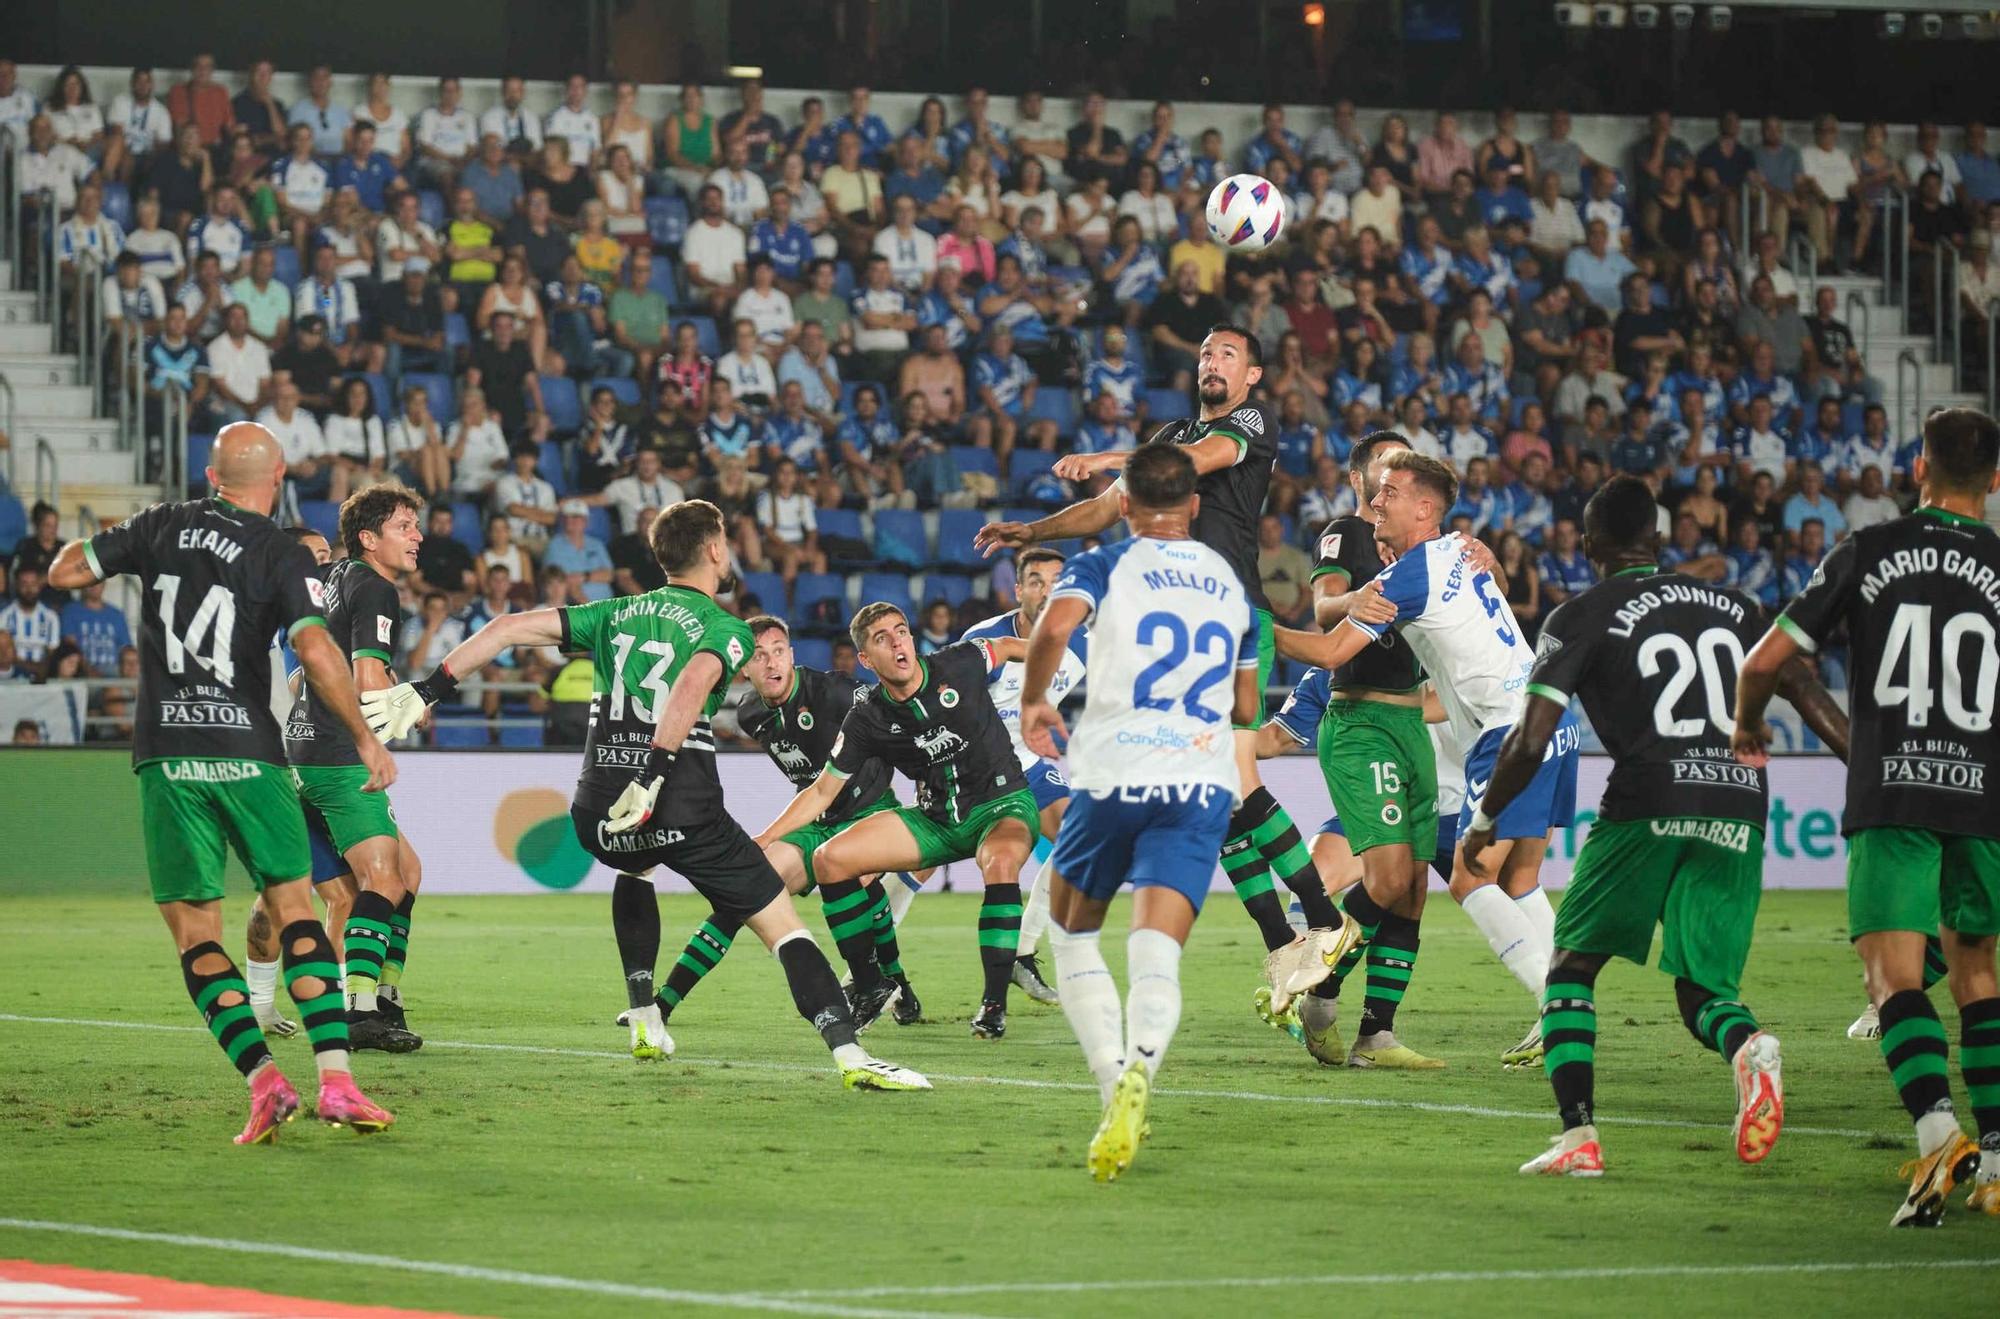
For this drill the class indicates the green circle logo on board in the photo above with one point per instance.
(532, 829)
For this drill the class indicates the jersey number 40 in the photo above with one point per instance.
(1908, 652)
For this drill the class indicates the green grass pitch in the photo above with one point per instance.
(741, 1177)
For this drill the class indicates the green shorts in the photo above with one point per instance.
(808, 839)
(189, 809)
(1698, 879)
(941, 843)
(1267, 659)
(1381, 771)
(1919, 879)
(352, 816)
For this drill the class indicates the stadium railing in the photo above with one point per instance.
(48, 472)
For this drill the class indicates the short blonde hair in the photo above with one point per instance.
(1435, 477)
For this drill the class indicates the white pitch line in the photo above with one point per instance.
(1024, 1083)
(475, 1273)
(1394, 1279)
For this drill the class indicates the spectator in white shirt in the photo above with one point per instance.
(1826, 176)
(788, 524)
(575, 122)
(158, 248)
(1153, 206)
(404, 235)
(79, 122)
(446, 136)
(239, 369)
(392, 126)
(769, 308)
(518, 128)
(528, 501)
(221, 231)
(1927, 158)
(50, 166)
(300, 182)
(17, 104)
(90, 233)
(416, 445)
(714, 255)
(307, 467)
(747, 370)
(1765, 262)
(645, 488)
(142, 121)
(1555, 226)
(745, 200)
(910, 252)
(133, 300)
(28, 619)
(478, 447)
(1870, 504)
(327, 295)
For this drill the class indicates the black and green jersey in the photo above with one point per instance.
(1654, 657)
(798, 735)
(948, 738)
(1347, 547)
(219, 582)
(1232, 498)
(362, 612)
(1920, 597)
(639, 645)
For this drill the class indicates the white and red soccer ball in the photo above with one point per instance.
(1245, 213)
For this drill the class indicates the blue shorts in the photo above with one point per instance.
(1549, 800)
(327, 862)
(1046, 781)
(1447, 840)
(1167, 837)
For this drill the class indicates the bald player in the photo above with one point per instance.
(219, 578)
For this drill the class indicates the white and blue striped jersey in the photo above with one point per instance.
(1457, 622)
(1170, 625)
(1004, 683)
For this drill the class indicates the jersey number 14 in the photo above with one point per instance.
(214, 620)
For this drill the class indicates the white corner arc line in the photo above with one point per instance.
(1023, 1083)
(476, 1273)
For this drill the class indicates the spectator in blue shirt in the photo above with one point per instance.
(1476, 500)
(1822, 444)
(1813, 503)
(1499, 201)
(1482, 382)
(1525, 506)
(1808, 548)
(814, 138)
(371, 173)
(1598, 268)
(98, 629)
(1117, 375)
(1209, 167)
(174, 359)
(1638, 450)
(1565, 569)
(1479, 266)
(949, 304)
(1300, 444)
(874, 133)
(1978, 173)
(1358, 380)
(866, 445)
(792, 432)
(1427, 264)
(1005, 388)
(728, 431)
(784, 241)
(316, 110)
(976, 127)
(1275, 140)
(575, 551)
(1104, 431)
(1693, 553)
(1752, 570)
(913, 177)
(1762, 379)
(1164, 148)
(1131, 271)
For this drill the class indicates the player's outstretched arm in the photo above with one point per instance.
(394, 711)
(1040, 724)
(1756, 683)
(1520, 756)
(1085, 518)
(811, 802)
(326, 669)
(71, 570)
(1329, 650)
(1798, 684)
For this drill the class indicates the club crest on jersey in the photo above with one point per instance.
(948, 697)
(806, 720)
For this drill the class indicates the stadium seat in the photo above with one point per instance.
(955, 552)
(900, 537)
(843, 280)
(1055, 403)
(197, 463)
(666, 220)
(385, 398)
(808, 590)
(561, 402)
(813, 652)
(953, 590)
(438, 389)
(769, 588)
(1167, 405)
(553, 467)
(706, 335)
(1024, 465)
(892, 587)
(117, 205)
(623, 388)
(468, 526)
(457, 334)
(323, 516)
(514, 733)
(285, 267)
(598, 524)
(430, 208)
(461, 733)
(663, 281)
(975, 458)
(845, 524)
(13, 519)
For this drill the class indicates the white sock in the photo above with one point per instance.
(1511, 936)
(1035, 914)
(262, 978)
(333, 1060)
(847, 1056)
(1090, 1001)
(902, 888)
(1936, 1128)
(1153, 1003)
(1535, 906)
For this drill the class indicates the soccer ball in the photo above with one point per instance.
(1245, 212)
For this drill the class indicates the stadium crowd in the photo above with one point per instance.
(860, 338)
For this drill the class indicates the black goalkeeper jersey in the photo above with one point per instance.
(362, 612)
(947, 738)
(1921, 600)
(219, 581)
(1347, 547)
(1232, 498)
(1654, 657)
(798, 734)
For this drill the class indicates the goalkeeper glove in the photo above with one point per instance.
(394, 711)
(635, 805)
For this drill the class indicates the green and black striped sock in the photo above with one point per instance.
(1979, 1063)
(1935, 967)
(312, 978)
(1722, 1024)
(1392, 960)
(1913, 1045)
(888, 952)
(1278, 840)
(850, 918)
(399, 943)
(1369, 915)
(224, 1003)
(1569, 1047)
(704, 952)
(999, 938)
(1250, 876)
(366, 938)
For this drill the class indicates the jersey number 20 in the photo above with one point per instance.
(1210, 638)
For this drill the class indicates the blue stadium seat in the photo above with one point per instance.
(769, 588)
(809, 589)
(553, 467)
(430, 208)
(438, 389)
(118, 205)
(285, 267)
(385, 400)
(13, 519)
(705, 334)
(953, 590)
(197, 463)
(1853, 416)
(849, 388)
(323, 516)
(1020, 514)
(461, 733)
(892, 587)
(468, 525)
(598, 524)
(900, 538)
(1024, 465)
(843, 279)
(521, 735)
(1167, 405)
(974, 458)
(813, 652)
(457, 334)
(845, 523)
(1055, 403)
(666, 220)
(624, 388)
(560, 400)
(663, 281)
(956, 528)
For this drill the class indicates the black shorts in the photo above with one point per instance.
(724, 863)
